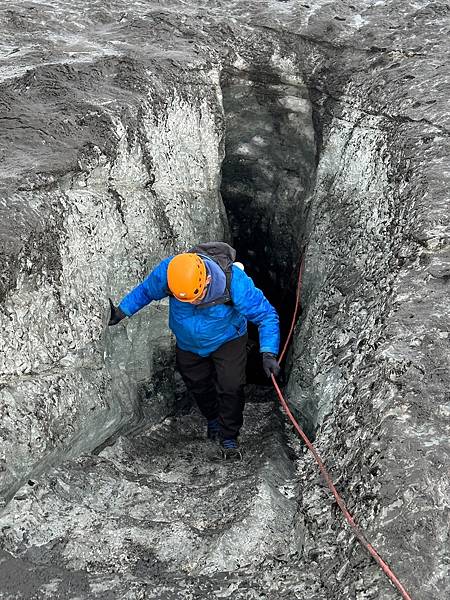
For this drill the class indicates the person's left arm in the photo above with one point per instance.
(251, 302)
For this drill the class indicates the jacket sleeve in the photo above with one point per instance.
(154, 287)
(251, 302)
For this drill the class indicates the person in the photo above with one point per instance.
(210, 300)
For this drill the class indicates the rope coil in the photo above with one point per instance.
(359, 534)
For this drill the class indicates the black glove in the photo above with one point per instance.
(117, 314)
(270, 364)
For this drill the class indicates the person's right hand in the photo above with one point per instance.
(117, 314)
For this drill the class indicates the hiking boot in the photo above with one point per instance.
(213, 430)
(230, 450)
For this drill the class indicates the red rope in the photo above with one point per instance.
(356, 529)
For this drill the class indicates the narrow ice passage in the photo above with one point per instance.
(127, 135)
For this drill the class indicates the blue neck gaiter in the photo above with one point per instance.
(218, 283)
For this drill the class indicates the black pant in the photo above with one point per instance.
(216, 383)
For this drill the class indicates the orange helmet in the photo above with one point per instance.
(186, 276)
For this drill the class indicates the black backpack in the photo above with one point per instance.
(224, 256)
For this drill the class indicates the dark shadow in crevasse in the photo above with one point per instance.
(267, 172)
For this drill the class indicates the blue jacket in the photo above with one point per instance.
(203, 329)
